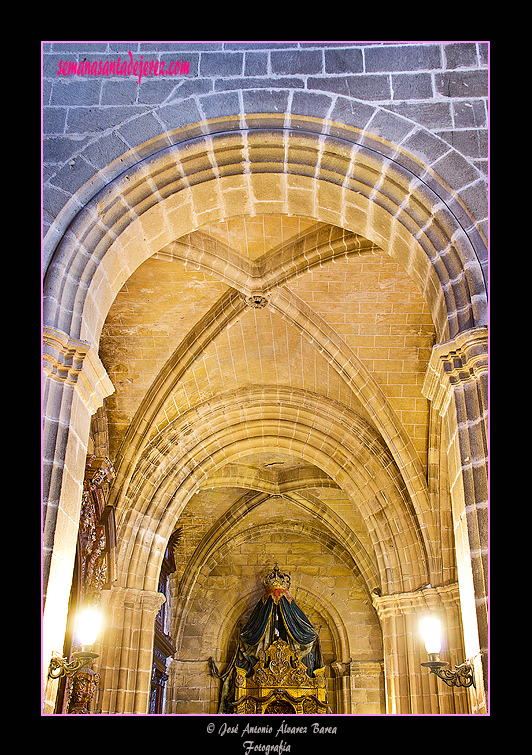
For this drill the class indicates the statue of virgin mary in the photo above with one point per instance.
(275, 616)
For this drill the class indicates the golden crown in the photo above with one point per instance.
(276, 578)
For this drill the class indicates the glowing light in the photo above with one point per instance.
(89, 622)
(430, 629)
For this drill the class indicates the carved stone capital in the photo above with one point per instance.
(454, 362)
(427, 598)
(340, 669)
(357, 668)
(76, 363)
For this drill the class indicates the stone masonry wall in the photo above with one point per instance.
(91, 119)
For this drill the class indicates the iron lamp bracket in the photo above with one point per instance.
(462, 676)
(60, 667)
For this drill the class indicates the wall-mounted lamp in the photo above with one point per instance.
(87, 629)
(462, 676)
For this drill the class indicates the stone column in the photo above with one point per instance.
(342, 687)
(75, 384)
(456, 383)
(360, 687)
(126, 649)
(410, 688)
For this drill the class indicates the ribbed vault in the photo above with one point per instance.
(219, 432)
(324, 526)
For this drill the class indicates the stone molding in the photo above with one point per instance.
(133, 598)
(366, 668)
(428, 598)
(76, 363)
(455, 362)
(358, 668)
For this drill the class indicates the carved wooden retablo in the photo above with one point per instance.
(280, 684)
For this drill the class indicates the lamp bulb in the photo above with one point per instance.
(430, 629)
(88, 625)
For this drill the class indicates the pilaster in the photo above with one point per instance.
(456, 383)
(409, 688)
(127, 649)
(360, 687)
(74, 386)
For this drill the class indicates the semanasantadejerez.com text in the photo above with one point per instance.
(121, 67)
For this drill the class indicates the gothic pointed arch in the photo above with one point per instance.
(198, 443)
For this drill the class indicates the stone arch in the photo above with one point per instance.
(196, 175)
(404, 140)
(205, 439)
(230, 307)
(358, 165)
(331, 527)
(328, 529)
(224, 620)
(250, 590)
(345, 620)
(260, 163)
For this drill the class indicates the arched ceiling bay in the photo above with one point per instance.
(362, 296)
(366, 298)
